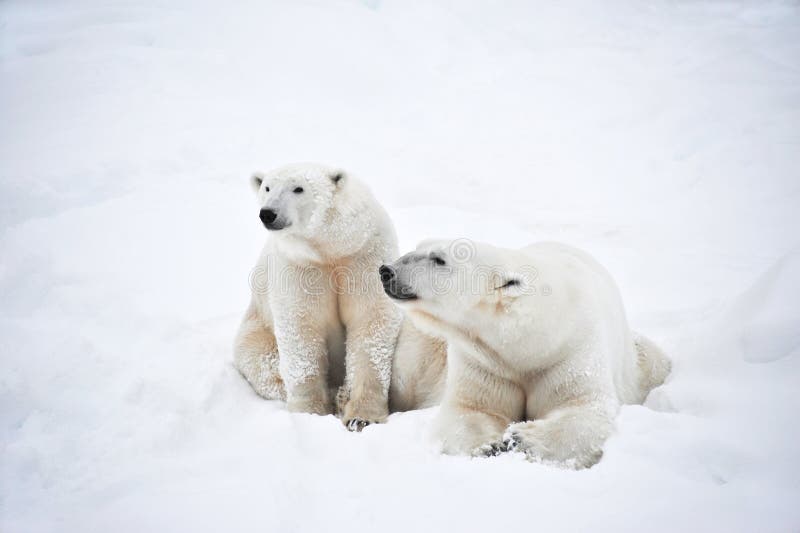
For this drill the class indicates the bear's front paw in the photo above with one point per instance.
(524, 437)
(358, 415)
(539, 444)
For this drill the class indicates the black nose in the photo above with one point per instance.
(267, 216)
(387, 274)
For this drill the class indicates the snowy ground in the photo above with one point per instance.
(662, 136)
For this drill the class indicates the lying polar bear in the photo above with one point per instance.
(318, 320)
(540, 355)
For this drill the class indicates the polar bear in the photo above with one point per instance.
(540, 353)
(318, 320)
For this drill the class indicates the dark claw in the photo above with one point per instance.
(512, 442)
(498, 448)
(357, 424)
(492, 450)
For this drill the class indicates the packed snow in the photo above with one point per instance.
(661, 136)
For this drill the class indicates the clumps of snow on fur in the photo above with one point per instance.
(380, 343)
(300, 349)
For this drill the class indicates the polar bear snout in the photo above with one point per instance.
(387, 274)
(391, 285)
(269, 217)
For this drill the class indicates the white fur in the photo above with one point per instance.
(540, 364)
(318, 320)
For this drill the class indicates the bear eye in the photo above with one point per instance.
(510, 283)
(298, 190)
(438, 260)
(266, 189)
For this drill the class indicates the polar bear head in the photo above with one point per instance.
(458, 287)
(314, 211)
(295, 198)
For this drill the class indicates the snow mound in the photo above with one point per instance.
(767, 316)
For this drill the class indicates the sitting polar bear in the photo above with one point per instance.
(318, 319)
(540, 355)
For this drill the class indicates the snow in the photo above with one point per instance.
(661, 136)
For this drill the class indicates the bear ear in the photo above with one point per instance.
(256, 180)
(337, 177)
